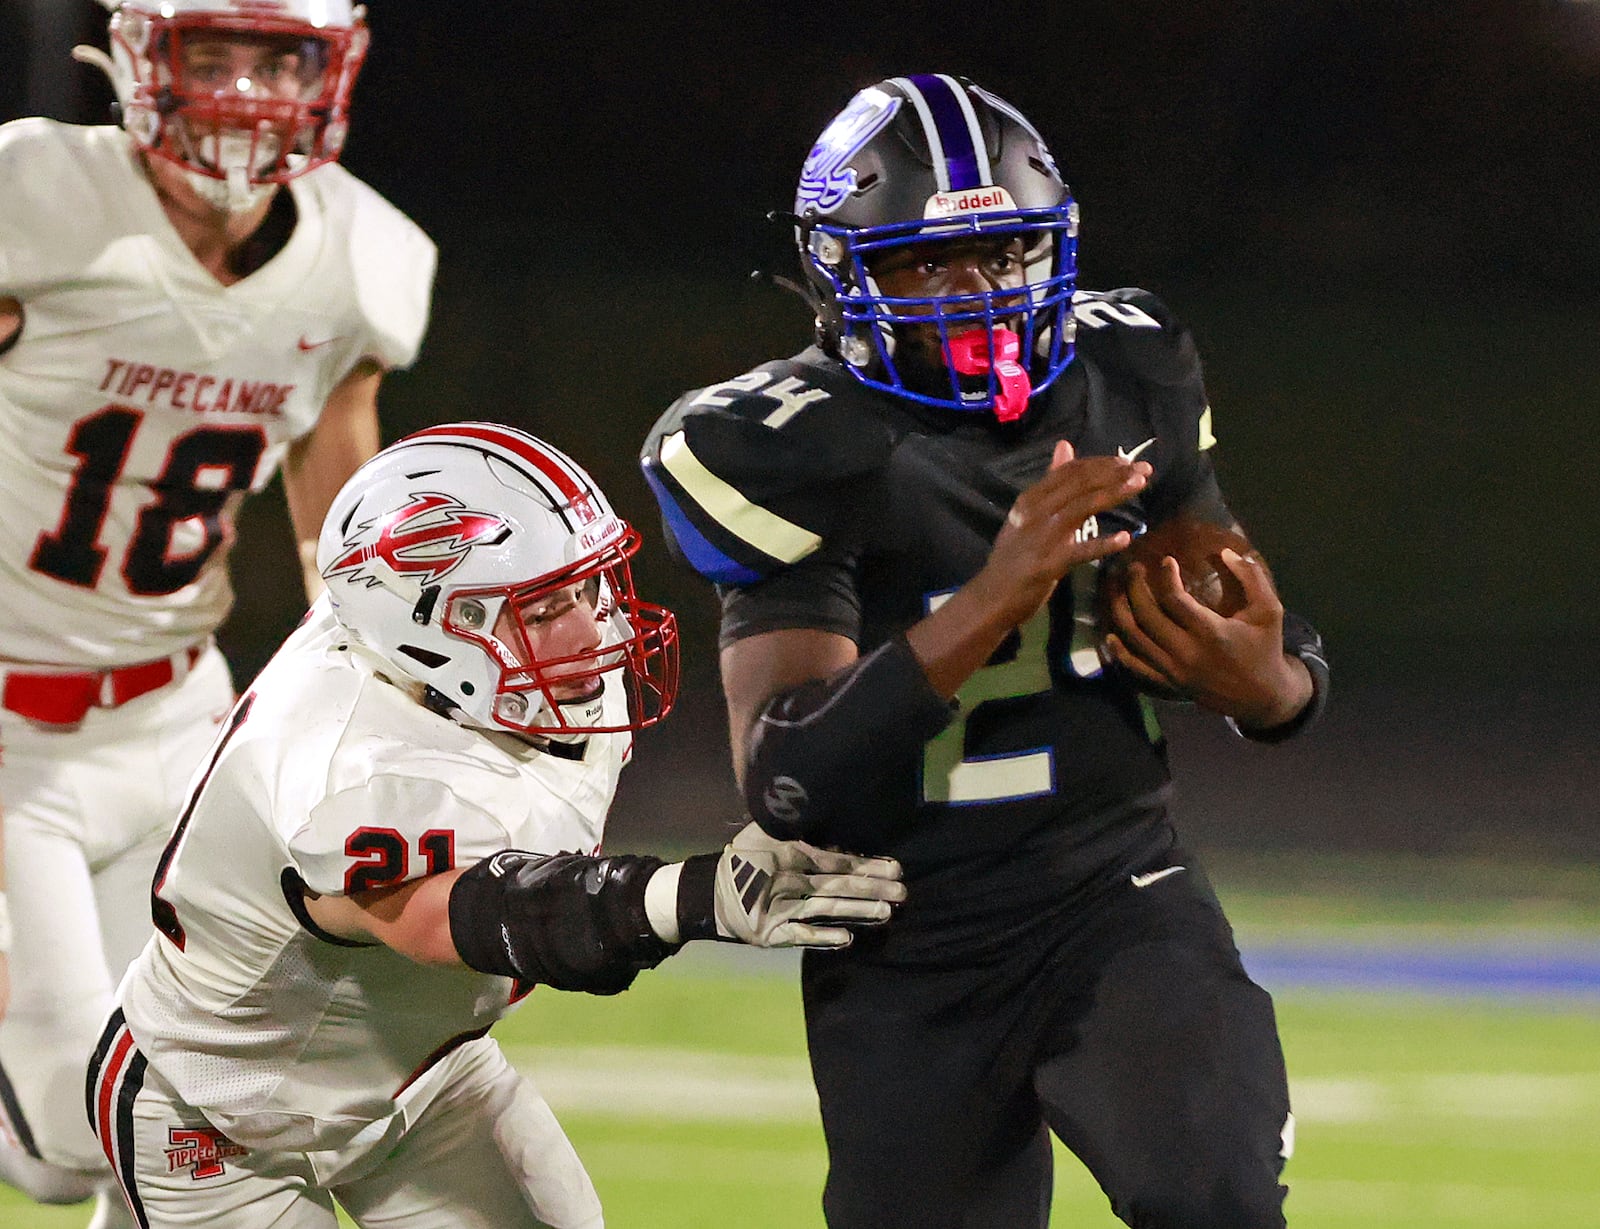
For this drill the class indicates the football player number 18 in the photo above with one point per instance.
(949, 776)
(204, 467)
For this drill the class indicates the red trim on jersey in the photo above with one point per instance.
(162, 913)
(109, 1078)
(454, 1043)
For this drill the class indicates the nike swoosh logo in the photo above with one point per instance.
(1144, 881)
(315, 345)
(1124, 454)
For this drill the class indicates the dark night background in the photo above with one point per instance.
(1381, 219)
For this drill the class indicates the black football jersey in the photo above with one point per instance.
(813, 502)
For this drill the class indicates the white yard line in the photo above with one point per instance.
(649, 1082)
(654, 1082)
(1352, 1202)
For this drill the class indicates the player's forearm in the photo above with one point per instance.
(1301, 702)
(562, 920)
(958, 639)
(811, 746)
(320, 463)
(1281, 699)
(309, 575)
(521, 915)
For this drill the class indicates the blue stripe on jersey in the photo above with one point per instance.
(702, 555)
(960, 155)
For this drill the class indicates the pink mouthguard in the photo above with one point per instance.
(972, 356)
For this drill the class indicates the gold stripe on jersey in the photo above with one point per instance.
(1207, 439)
(766, 531)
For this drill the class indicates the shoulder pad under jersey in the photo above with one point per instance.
(407, 823)
(1135, 332)
(755, 473)
(392, 262)
(1132, 333)
(43, 163)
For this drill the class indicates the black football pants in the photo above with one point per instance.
(1128, 1027)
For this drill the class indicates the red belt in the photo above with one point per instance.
(65, 699)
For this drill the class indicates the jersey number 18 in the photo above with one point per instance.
(101, 442)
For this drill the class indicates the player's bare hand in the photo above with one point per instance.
(1235, 666)
(1044, 538)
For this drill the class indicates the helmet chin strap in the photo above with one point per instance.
(576, 716)
(121, 80)
(580, 714)
(972, 354)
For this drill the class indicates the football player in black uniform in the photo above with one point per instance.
(905, 523)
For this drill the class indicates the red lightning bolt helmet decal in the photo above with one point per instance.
(427, 538)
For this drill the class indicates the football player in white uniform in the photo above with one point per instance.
(187, 303)
(395, 837)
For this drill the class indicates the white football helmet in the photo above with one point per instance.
(435, 547)
(237, 130)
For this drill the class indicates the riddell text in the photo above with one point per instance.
(188, 390)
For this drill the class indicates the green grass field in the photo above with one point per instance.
(689, 1099)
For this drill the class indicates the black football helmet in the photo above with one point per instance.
(929, 157)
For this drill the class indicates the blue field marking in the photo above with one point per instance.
(1566, 970)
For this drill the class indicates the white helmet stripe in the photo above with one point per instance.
(979, 147)
(929, 129)
(971, 138)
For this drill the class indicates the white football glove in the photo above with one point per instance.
(772, 893)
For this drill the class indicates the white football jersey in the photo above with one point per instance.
(143, 398)
(328, 775)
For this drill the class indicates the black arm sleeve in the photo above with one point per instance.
(809, 747)
(565, 920)
(1300, 640)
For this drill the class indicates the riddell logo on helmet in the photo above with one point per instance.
(593, 537)
(974, 200)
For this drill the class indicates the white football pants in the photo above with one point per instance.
(87, 810)
(472, 1146)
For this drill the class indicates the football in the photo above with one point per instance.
(1197, 545)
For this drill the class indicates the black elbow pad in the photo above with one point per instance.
(563, 920)
(809, 746)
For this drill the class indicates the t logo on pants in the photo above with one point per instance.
(201, 1149)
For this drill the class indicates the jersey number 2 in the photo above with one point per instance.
(101, 443)
(949, 776)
